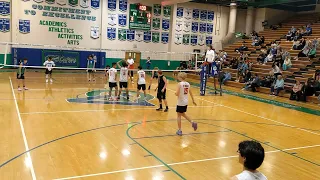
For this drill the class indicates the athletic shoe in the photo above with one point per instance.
(110, 99)
(25, 88)
(159, 109)
(19, 89)
(179, 133)
(128, 98)
(166, 110)
(51, 80)
(195, 126)
(145, 98)
(47, 80)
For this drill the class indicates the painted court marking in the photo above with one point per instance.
(179, 163)
(29, 160)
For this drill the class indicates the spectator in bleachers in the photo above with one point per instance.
(285, 54)
(267, 81)
(261, 57)
(302, 43)
(242, 68)
(243, 56)
(234, 63)
(244, 36)
(253, 83)
(289, 36)
(242, 48)
(261, 40)
(226, 77)
(306, 49)
(293, 30)
(286, 64)
(308, 31)
(276, 70)
(246, 76)
(295, 45)
(296, 91)
(278, 86)
(309, 88)
(269, 58)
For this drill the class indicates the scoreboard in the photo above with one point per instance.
(140, 17)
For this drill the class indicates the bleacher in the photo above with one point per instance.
(301, 69)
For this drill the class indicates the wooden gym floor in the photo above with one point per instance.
(72, 132)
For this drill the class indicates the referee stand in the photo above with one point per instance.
(216, 73)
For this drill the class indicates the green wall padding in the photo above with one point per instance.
(161, 64)
(9, 60)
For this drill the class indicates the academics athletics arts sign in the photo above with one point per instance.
(61, 12)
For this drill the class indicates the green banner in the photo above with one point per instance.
(122, 34)
(186, 39)
(155, 37)
(156, 23)
(73, 2)
(157, 9)
(167, 11)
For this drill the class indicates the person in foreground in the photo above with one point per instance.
(251, 156)
(182, 93)
(20, 74)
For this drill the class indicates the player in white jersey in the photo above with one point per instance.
(141, 82)
(49, 64)
(251, 156)
(130, 63)
(112, 76)
(123, 81)
(183, 92)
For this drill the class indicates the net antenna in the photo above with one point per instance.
(5, 53)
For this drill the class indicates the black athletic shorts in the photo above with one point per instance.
(155, 77)
(112, 84)
(123, 84)
(48, 72)
(161, 95)
(181, 109)
(90, 71)
(142, 86)
(21, 77)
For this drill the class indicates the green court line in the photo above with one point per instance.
(265, 143)
(267, 101)
(165, 164)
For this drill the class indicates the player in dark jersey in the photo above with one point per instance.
(162, 87)
(154, 75)
(20, 74)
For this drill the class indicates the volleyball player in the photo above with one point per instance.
(154, 75)
(21, 73)
(112, 76)
(162, 88)
(90, 68)
(141, 82)
(49, 64)
(123, 81)
(130, 63)
(182, 92)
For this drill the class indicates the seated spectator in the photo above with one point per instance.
(242, 68)
(276, 70)
(261, 40)
(293, 30)
(267, 81)
(261, 57)
(309, 88)
(295, 45)
(286, 64)
(312, 53)
(242, 48)
(251, 156)
(289, 36)
(305, 50)
(244, 36)
(279, 86)
(308, 31)
(301, 45)
(246, 76)
(269, 58)
(227, 77)
(297, 36)
(234, 63)
(296, 91)
(253, 84)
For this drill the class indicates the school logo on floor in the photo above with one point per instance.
(101, 97)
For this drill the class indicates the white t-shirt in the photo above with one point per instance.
(183, 94)
(123, 74)
(142, 77)
(49, 64)
(210, 55)
(112, 75)
(130, 62)
(247, 175)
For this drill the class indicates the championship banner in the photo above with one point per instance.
(50, 1)
(201, 40)
(4, 25)
(130, 35)
(84, 3)
(62, 2)
(202, 27)
(156, 23)
(73, 2)
(194, 39)
(112, 19)
(203, 80)
(179, 12)
(165, 24)
(122, 20)
(155, 37)
(210, 15)
(122, 34)
(123, 5)
(187, 13)
(157, 9)
(139, 35)
(195, 27)
(178, 38)
(112, 5)
(186, 39)
(209, 40)
(147, 36)
(95, 4)
(195, 14)
(164, 37)
(187, 26)
(178, 25)
(166, 11)
(203, 15)
(209, 28)
(4, 8)
(111, 33)
(95, 31)
(24, 26)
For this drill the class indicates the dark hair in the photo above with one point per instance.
(113, 64)
(49, 57)
(253, 153)
(210, 46)
(124, 64)
(140, 67)
(25, 59)
(107, 66)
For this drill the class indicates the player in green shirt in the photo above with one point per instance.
(20, 74)
(90, 68)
